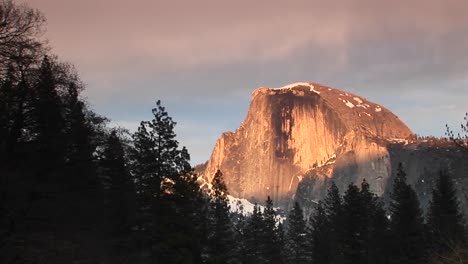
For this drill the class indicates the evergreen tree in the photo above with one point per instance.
(445, 221)
(281, 241)
(333, 209)
(253, 237)
(320, 236)
(239, 226)
(157, 160)
(271, 236)
(49, 119)
(177, 232)
(297, 249)
(379, 243)
(374, 227)
(120, 196)
(119, 186)
(221, 236)
(406, 225)
(354, 234)
(79, 146)
(170, 200)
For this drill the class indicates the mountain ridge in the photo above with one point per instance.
(289, 130)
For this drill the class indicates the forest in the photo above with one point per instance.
(75, 190)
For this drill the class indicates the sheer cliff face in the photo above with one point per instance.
(290, 130)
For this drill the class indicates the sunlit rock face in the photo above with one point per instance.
(422, 161)
(290, 130)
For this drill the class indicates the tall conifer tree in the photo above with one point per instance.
(298, 250)
(221, 238)
(406, 225)
(271, 236)
(445, 221)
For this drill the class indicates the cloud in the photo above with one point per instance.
(407, 55)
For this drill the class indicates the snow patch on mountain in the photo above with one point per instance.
(348, 104)
(357, 99)
(292, 85)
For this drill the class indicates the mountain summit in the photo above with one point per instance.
(291, 130)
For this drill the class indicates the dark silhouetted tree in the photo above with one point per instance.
(406, 224)
(253, 232)
(221, 236)
(157, 159)
(297, 247)
(271, 234)
(320, 236)
(119, 186)
(445, 221)
(21, 28)
(354, 234)
(48, 115)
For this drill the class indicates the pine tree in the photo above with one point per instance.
(281, 241)
(49, 119)
(177, 232)
(326, 228)
(221, 236)
(379, 236)
(445, 221)
(78, 143)
(374, 227)
(406, 224)
(170, 201)
(320, 236)
(157, 160)
(271, 240)
(120, 196)
(297, 247)
(119, 186)
(239, 226)
(253, 232)
(333, 209)
(353, 234)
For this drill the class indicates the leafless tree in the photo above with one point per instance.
(461, 138)
(21, 30)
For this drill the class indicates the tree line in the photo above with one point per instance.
(73, 190)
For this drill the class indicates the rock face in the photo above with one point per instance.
(291, 130)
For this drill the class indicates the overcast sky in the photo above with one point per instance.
(203, 58)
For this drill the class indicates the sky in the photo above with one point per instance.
(203, 58)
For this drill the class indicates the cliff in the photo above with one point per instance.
(291, 130)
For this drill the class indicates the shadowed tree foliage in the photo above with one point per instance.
(157, 160)
(408, 243)
(48, 115)
(177, 230)
(120, 200)
(297, 247)
(253, 232)
(333, 209)
(221, 234)
(354, 232)
(445, 222)
(272, 249)
(120, 190)
(320, 236)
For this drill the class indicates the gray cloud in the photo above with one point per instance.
(203, 58)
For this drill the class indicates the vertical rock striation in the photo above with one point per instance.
(290, 130)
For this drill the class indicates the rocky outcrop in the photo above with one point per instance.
(422, 161)
(291, 130)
